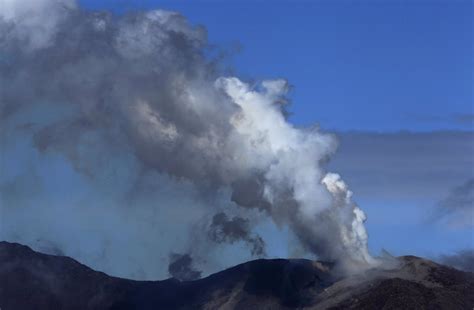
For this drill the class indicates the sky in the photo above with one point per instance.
(391, 79)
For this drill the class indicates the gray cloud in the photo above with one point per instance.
(458, 206)
(181, 267)
(223, 229)
(404, 166)
(462, 260)
(460, 198)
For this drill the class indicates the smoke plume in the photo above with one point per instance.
(181, 267)
(223, 229)
(462, 260)
(121, 134)
(457, 207)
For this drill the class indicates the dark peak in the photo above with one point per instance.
(43, 281)
(13, 246)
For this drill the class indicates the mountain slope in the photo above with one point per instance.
(31, 280)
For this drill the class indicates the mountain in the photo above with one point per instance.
(31, 280)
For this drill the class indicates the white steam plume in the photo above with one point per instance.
(155, 133)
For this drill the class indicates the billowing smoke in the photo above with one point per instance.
(181, 267)
(223, 229)
(161, 145)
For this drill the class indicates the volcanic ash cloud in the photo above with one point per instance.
(139, 90)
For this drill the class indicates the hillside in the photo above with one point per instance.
(31, 280)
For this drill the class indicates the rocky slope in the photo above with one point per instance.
(31, 280)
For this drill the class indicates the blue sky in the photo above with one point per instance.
(365, 65)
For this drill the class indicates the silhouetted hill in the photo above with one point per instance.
(31, 280)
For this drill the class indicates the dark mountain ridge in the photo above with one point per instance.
(31, 280)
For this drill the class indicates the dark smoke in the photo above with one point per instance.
(181, 267)
(462, 260)
(223, 229)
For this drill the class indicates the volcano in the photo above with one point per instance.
(32, 280)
